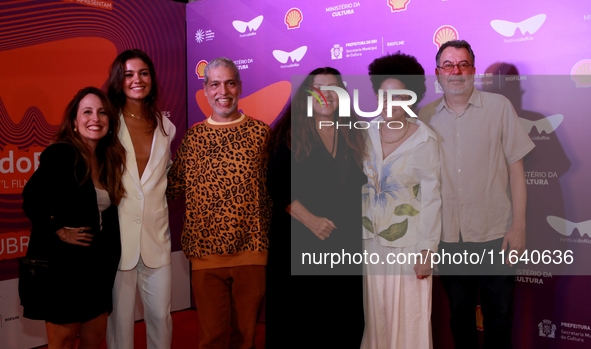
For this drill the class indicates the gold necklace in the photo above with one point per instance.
(399, 138)
(132, 115)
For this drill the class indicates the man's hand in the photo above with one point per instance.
(514, 241)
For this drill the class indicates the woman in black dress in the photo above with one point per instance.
(71, 201)
(315, 178)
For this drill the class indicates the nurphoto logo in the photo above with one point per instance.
(393, 98)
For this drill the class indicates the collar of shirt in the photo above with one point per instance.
(213, 122)
(421, 135)
(475, 100)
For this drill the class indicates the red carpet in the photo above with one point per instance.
(184, 332)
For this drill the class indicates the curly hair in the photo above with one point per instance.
(109, 150)
(299, 132)
(402, 67)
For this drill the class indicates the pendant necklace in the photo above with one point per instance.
(399, 138)
(133, 115)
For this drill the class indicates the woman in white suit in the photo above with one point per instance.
(143, 212)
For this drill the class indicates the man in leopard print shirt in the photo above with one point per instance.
(221, 168)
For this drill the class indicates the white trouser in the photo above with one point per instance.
(155, 288)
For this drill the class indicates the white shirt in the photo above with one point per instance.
(402, 201)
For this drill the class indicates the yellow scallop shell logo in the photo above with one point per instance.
(581, 73)
(398, 5)
(293, 18)
(444, 34)
(200, 69)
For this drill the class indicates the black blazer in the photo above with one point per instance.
(57, 196)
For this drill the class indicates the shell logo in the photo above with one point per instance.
(479, 319)
(398, 5)
(444, 34)
(581, 73)
(293, 18)
(200, 69)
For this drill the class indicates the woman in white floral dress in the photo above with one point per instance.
(401, 213)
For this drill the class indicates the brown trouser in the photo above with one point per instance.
(228, 301)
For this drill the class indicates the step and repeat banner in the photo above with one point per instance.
(48, 51)
(538, 54)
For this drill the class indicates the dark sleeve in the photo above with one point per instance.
(111, 241)
(279, 177)
(176, 175)
(46, 195)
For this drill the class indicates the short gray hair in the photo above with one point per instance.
(221, 62)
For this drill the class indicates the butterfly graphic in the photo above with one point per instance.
(254, 24)
(295, 55)
(566, 227)
(548, 124)
(530, 25)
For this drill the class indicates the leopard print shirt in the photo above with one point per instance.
(222, 171)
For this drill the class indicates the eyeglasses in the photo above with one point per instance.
(463, 66)
(396, 97)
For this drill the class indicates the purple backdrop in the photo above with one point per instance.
(536, 53)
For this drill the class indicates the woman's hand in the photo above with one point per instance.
(423, 270)
(75, 236)
(320, 226)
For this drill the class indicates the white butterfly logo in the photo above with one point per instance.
(566, 227)
(548, 124)
(295, 55)
(254, 24)
(530, 25)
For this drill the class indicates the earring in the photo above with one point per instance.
(75, 128)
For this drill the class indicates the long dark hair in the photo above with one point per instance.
(117, 78)
(299, 132)
(109, 150)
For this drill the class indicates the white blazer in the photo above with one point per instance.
(143, 212)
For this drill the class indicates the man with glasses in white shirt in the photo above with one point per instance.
(482, 145)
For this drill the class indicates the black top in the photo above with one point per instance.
(328, 309)
(328, 187)
(80, 277)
